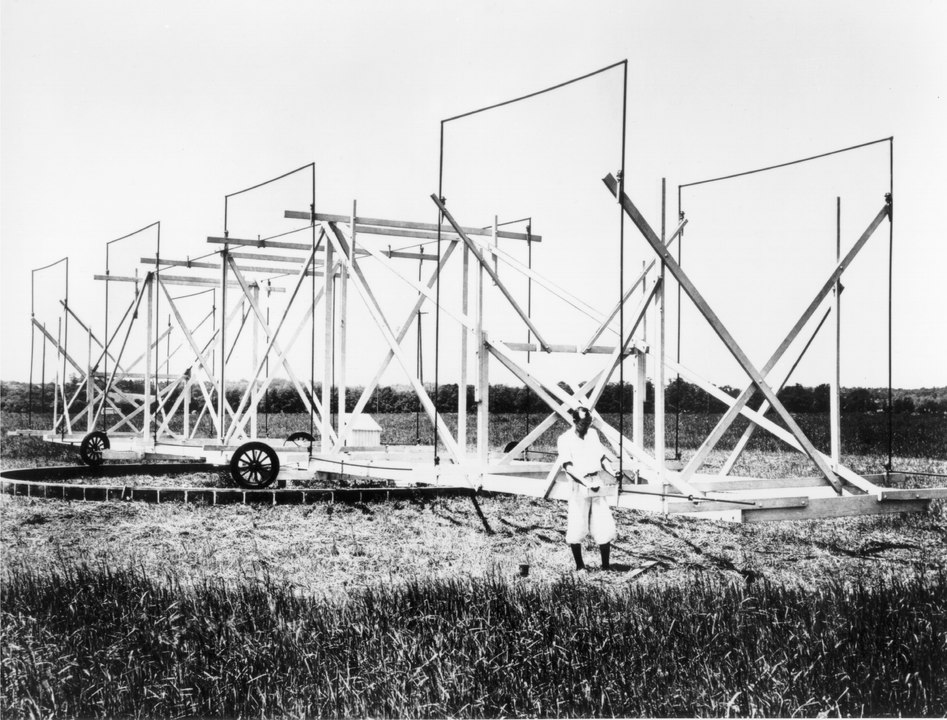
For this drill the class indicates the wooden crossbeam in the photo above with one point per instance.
(757, 378)
(562, 348)
(375, 226)
(243, 267)
(181, 280)
(276, 244)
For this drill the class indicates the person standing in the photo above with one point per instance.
(582, 457)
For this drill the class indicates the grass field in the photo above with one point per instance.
(413, 608)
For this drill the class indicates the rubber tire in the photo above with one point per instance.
(91, 447)
(300, 435)
(254, 465)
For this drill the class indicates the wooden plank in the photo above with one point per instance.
(913, 494)
(709, 504)
(323, 217)
(836, 507)
(718, 483)
(561, 348)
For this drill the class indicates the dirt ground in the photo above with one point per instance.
(333, 550)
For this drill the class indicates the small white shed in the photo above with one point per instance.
(365, 432)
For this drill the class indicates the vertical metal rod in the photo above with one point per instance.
(65, 345)
(312, 324)
(621, 277)
(890, 299)
(835, 386)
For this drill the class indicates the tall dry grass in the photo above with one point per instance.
(82, 641)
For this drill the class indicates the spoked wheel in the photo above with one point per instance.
(254, 465)
(92, 447)
(300, 438)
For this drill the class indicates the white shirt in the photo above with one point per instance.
(585, 454)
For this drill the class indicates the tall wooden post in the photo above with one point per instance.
(462, 384)
(187, 408)
(658, 356)
(222, 391)
(255, 358)
(89, 394)
(149, 331)
(483, 369)
(343, 321)
(835, 385)
(56, 384)
(328, 329)
(641, 385)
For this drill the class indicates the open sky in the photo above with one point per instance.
(114, 115)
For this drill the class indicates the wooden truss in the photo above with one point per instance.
(324, 275)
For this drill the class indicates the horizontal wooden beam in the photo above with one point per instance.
(275, 244)
(835, 507)
(372, 226)
(574, 349)
(178, 280)
(244, 268)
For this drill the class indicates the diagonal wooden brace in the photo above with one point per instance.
(492, 273)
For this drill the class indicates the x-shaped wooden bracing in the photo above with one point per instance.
(757, 377)
(273, 346)
(341, 243)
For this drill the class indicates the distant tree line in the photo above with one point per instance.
(680, 395)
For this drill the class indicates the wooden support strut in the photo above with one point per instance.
(492, 273)
(756, 376)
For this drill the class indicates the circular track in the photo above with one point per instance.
(300, 436)
(254, 465)
(92, 446)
